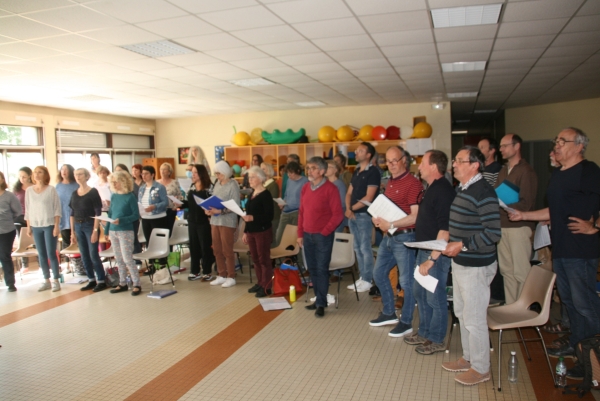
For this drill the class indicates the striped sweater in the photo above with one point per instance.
(475, 221)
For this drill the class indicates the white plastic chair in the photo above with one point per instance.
(158, 247)
(140, 235)
(24, 247)
(180, 235)
(342, 257)
(70, 252)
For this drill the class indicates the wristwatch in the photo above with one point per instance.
(392, 226)
(432, 259)
(596, 226)
(464, 248)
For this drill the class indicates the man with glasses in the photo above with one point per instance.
(361, 192)
(514, 249)
(474, 232)
(573, 203)
(403, 189)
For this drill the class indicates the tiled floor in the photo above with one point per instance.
(211, 343)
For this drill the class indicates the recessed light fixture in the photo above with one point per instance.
(465, 16)
(438, 106)
(457, 95)
(89, 98)
(310, 104)
(460, 132)
(252, 82)
(484, 111)
(464, 66)
(161, 48)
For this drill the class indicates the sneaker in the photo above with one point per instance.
(566, 351)
(229, 282)
(414, 339)
(351, 286)
(374, 291)
(363, 286)
(384, 320)
(89, 286)
(12, 288)
(401, 330)
(100, 287)
(261, 293)
(461, 365)
(576, 372)
(330, 299)
(45, 286)
(428, 348)
(254, 288)
(206, 277)
(192, 276)
(55, 286)
(472, 377)
(218, 281)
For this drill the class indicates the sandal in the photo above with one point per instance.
(561, 341)
(136, 291)
(119, 288)
(556, 329)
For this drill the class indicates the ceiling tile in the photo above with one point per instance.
(184, 60)
(459, 3)
(273, 73)
(515, 54)
(353, 55)
(172, 73)
(76, 18)
(17, 27)
(589, 8)
(413, 60)
(576, 38)
(20, 6)
(507, 64)
(344, 43)
(112, 54)
(69, 43)
(403, 37)
(365, 64)
(461, 57)
(304, 11)
(216, 41)
(136, 11)
(533, 10)
(304, 59)
(242, 18)
(545, 61)
(122, 35)
(397, 22)
(525, 42)
(238, 53)
(204, 6)
(330, 28)
(272, 34)
(258, 63)
(408, 69)
(469, 46)
(361, 7)
(372, 72)
(408, 50)
(583, 24)
(180, 27)
(465, 33)
(531, 28)
(317, 68)
(214, 68)
(288, 48)
(581, 50)
(26, 51)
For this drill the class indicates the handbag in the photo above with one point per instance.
(284, 277)
(162, 276)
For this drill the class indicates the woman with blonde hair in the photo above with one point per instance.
(124, 211)
(42, 213)
(196, 156)
(172, 187)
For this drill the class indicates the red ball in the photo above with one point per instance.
(393, 132)
(379, 133)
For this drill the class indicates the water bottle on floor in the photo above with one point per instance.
(561, 373)
(513, 367)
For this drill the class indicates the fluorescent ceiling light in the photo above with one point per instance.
(460, 132)
(252, 82)
(457, 95)
(161, 48)
(464, 66)
(464, 16)
(310, 104)
(484, 111)
(89, 98)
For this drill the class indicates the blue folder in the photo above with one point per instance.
(508, 192)
(213, 201)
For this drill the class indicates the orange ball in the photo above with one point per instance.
(379, 133)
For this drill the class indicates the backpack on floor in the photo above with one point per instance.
(588, 355)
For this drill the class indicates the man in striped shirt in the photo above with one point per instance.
(474, 232)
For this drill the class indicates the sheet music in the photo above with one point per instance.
(277, 303)
(541, 237)
(428, 282)
(176, 201)
(505, 207)
(231, 205)
(435, 245)
(142, 210)
(103, 218)
(198, 200)
(383, 207)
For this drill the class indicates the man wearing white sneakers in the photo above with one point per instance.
(403, 189)
(361, 192)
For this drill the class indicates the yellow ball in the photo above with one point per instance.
(241, 138)
(256, 136)
(422, 130)
(345, 134)
(365, 133)
(326, 134)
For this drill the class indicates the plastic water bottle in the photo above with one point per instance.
(292, 293)
(129, 285)
(513, 367)
(561, 373)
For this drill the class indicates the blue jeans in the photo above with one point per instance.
(362, 227)
(433, 307)
(317, 250)
(392, 252)
(45, 243)
(89, 251)
(576, 282)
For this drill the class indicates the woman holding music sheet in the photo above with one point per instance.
(153, 199)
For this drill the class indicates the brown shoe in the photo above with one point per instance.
(457, 366)
(376, 298)
(399, 303)
(472, 377)
(428, 348)
(414, 339)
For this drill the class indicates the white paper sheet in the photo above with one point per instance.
(276, 303)
(176, 201)
(541, 237)
(185, 183)
(198, 200)
(364, 202)
(142, 210)
(231, 205)
(503, 206)
(103, 218)
(104, 192)
(428, 282)
(280, 201)
(386, 209)
(435, 245)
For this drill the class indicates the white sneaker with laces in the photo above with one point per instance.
(45, 286)
(330, 299)
(351, 286)
(363, 286)
(55, 286)
(218, 281)
(229, 282)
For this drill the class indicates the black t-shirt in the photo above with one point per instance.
(574, 192)
(196, 214)
(361, 180)
(434, 210)
(85, 207)
(490, 172)
(261, 208)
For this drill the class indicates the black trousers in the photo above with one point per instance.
(200, 248)
(6, 243)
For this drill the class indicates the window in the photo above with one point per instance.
(19, 136)
(19, 147)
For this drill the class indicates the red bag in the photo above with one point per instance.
(282, 280)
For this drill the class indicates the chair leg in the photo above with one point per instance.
(546, 353)
(337, 298)
(500, 360)
(524, 344)
(354, 282)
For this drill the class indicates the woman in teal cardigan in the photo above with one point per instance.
(124, 211)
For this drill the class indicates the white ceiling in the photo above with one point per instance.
(339, 52)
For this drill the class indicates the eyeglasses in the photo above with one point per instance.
(394, 161)
(505, 145)
(312, 168)
(461, 161)
(560, 141)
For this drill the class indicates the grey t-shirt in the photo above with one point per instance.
(10, 209)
